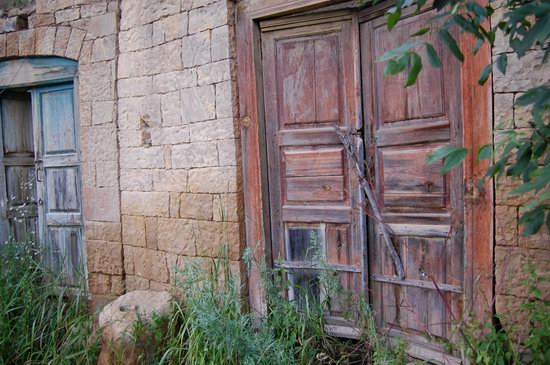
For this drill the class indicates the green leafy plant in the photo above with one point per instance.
(40, 323)
(526, 25)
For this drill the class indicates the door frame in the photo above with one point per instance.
(478, 126)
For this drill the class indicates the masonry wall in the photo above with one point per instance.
(513, 251)
(180, 191)
(159, 143)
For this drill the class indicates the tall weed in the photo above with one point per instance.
(39, 322)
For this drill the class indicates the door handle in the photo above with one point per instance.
(39, 168)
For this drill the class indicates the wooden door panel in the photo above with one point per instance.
(18, 213)
(311, 84)
(56, 131)
(422, 208)
(62, 189)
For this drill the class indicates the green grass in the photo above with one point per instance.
(40, 324)
(210, 324)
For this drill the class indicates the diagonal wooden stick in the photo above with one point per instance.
(347, 140)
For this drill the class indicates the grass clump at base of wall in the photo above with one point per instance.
(210, 324)
(39, 322)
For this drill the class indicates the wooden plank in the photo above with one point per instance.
(416, 283)
(316, 266)
(328, 214)
(418, 133)
(315, 189)
(307, 137)
(308, 20)
(314, 162)
(478, 123)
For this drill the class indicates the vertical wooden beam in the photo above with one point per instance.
(479, 212)
(253, 153)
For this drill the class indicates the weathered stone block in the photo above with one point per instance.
(196, 49)
(198, 104)
(506, 226)
(153, 204)
(129, 114)
(228, 207)
(169, 135)
(213, 236)
(212, 130)
(135, 86)
(104, 257)
(99, 284)
(196, 206)
(66, 15)
(27, 42)
(504, 110)
(45, 43)
(133, 230)
(97, 81)
(107, 173)
(174, 205)
(208, 17)
(541, 240)
(170, 180)
(93, 9)
(215, 72)
(176, 80)
(102, 25)
(522, 74)
(177, 236)
(226, 104)
(136, 283)
(75, 44)
(154, 10)
(170, 107)
(170, 28)
(131, 138)
(61, 40)
(101, 204)
(103, 231)
(227, 150)
(191, 155)
(104, 49)
(151, 233)
(12, 24)
(213, 180)
(102, 112)
(221, 46)
(136, 38)
(136, 179)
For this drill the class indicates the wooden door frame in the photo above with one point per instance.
(478, 125)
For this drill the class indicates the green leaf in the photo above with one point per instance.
(534, 203)
(422, 31)
(454, 159)
(440, 153)
(450, 42)
(533, 221)
(467, 26)
(485, 152)
(399, 51)
(502, 63)
(394, 14)
(485, 74)
(416, 61)
(432, 56)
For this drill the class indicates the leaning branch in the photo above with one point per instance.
(347, 140)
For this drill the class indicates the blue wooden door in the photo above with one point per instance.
(58, 181)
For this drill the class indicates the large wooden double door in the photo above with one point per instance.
(321, 70)
(40, 186)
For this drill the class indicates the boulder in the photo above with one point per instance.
(118, 318)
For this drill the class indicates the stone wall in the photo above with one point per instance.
(513, 251)
(85, 31)
(179, 173)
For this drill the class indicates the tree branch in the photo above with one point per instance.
(347, 140)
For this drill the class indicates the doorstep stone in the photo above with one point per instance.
(117, 321)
